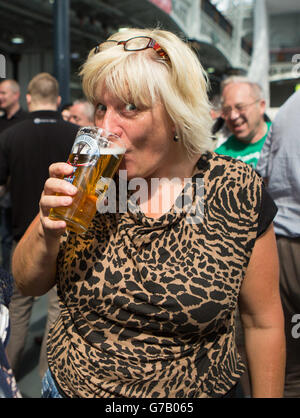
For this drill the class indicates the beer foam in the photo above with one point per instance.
(112, 151)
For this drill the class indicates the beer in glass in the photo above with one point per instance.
(95, 157)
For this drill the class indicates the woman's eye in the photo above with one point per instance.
(130, 107)
(100, 107)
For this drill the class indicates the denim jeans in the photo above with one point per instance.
(49, 389)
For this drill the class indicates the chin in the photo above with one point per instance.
(129, 172)
(243, 138)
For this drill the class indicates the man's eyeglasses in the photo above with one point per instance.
(239, 108)
(137, 43)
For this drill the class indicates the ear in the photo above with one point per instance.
(58, 101)
(262, 104)
(28, 99)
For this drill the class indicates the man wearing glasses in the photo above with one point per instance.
(243, 109)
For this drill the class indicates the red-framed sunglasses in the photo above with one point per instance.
(137, 43)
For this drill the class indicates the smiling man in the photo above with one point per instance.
(9, 103)
(243, 109)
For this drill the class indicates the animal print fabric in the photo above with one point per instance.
(148, 305)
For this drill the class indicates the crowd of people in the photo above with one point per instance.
(147, 303)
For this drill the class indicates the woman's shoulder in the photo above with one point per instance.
(221, 167)
(231, 182)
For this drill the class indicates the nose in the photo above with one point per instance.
(111, 122)
(234, 114)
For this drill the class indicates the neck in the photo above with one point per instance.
(44, 106)
(12, 110)
(263, 128)
(164, 189)
(182, 166)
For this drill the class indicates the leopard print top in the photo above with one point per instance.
(148, 305)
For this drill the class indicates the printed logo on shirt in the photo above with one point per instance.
(37, 121)
(249, 157)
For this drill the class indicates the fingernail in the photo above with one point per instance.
(67, 201)
(72, 189)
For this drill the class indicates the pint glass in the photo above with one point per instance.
(95, 157)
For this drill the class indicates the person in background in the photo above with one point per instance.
(148, 295)
(26, 151)
(65, 112)
(220, 131)
(279, 166)
(10, 103)
(8, 385)
(13, 113)
(243, 109)
(82, 113)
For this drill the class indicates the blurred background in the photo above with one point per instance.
(256, 38)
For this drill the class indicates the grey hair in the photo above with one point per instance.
(89, 109)
(13, 85)
(255, 87)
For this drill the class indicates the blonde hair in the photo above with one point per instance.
(43, 88)
(144, 78)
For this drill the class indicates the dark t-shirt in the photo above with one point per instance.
(26, 152)
(17, 117)
(267, 212)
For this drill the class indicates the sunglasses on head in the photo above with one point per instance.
(137, 43)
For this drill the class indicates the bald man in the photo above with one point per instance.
(10, 104)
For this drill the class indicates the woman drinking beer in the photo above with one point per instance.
(148, 295)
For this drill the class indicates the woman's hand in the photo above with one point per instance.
(57, 192)
(35, 276)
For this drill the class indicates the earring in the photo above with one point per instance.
(176, 138)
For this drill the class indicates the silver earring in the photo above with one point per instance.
(176, 138)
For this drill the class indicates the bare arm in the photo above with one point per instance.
(34, 259)
(262, 318)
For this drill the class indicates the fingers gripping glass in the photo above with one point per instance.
(137, 43)
(239, 108)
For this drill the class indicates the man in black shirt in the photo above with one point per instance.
(13, 113)
(26, 152)
(9, 102)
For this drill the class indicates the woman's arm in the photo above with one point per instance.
(262, 318)
(34, 259)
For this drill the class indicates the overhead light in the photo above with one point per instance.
(75, 55)
(122, 29)
(17, 40)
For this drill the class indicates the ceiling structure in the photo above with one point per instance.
(90, 22)
(283, 6)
